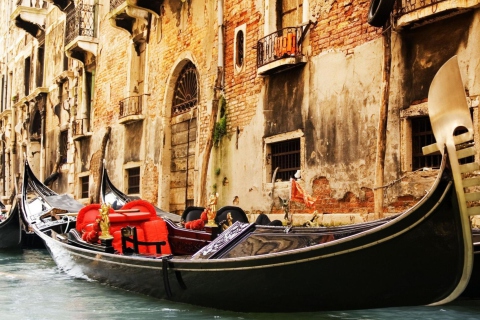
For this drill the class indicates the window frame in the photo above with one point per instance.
(239, 67)
(81, 184)
(268, 141)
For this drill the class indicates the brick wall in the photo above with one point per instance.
(342, 25)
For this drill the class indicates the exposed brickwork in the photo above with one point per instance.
(342, 25)
(242, 89)
(350, 203)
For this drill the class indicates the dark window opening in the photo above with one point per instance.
(286, 156)
(133, 180)
(27, 76)
(40, 63)
(3, 101)
(36, 127)
(422, 135)
(84, 181)
(240, 49)
(63, 146)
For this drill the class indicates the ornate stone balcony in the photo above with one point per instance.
(133, 15)
(61, 4)
(409, 13)
(31, 17)
(81, 41)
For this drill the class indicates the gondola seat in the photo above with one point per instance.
(155, 231)
(117, 240)
(237, 214)
(132, 243)
(142, 206)
(87, 215)
(192, 213)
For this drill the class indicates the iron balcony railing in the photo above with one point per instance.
(80, 127)
(131, 106)
(80, 22)
(278, 45)
(407, 6)
(115, 4)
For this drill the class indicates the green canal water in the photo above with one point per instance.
(31, 287)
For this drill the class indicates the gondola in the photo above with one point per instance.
(117, 199)
(423, 256)
(10, 227)
(48, 209)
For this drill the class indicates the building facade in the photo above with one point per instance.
(179, 99)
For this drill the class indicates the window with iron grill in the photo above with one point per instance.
(422, 135)
(133, 180)
(84, 181)
(286, 156)
(63, 146)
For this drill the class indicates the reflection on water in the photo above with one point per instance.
(31, 287)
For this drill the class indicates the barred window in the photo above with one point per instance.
(286, 156)
(422, 135)
(133, 175)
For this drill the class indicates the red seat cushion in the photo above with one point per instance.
(117, 241)
(156, 230)
(115, 217)
(87, 215)
(136, 216)
(141, 205)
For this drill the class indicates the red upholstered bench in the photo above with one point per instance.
(142, 206)
(87, 215)
(117, 240)
(156, 230)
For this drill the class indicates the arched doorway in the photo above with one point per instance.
(183, 139)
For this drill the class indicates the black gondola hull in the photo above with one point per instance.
(11, 230)
(417, 259)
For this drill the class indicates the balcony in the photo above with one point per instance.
(131, 109)
(412, 13)
(281, 50)
(80, 34)
(133, 15)
(80, 129)
(31, 18)
(61, 4)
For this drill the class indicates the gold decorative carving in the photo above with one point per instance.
(105, 222)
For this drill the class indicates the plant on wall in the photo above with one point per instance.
(220, 129)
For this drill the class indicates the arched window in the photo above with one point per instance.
(239, 49)
(186, 90)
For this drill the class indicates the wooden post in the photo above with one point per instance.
(105, 139)
(209, 143)
(382, 123)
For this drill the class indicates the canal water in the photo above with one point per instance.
(32, 287)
